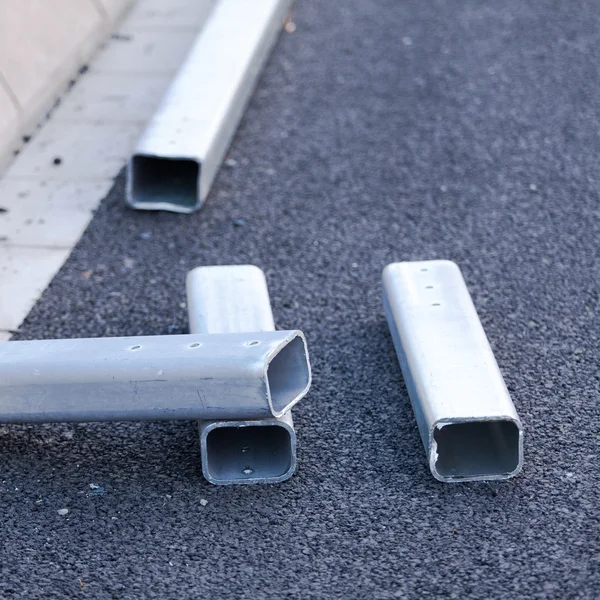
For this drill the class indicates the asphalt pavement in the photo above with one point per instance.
(380, 131)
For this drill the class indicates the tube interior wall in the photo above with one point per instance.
(235, 452)
(164, 180)
(288, 375)
(477, 449)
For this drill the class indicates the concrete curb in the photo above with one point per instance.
(42, 47)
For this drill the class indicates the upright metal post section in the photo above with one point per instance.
(226, 300)
(468, 423)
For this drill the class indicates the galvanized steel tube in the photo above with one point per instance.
(182, 148)
(236, 299)
(467, 420)
(243, 376)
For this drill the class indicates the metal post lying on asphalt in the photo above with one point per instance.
(468, 423)
(231, 299)
(181, 150)
(243, 376)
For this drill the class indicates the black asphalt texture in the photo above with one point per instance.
(380, 131)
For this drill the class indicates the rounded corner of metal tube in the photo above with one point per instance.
(190, 275)
(516, 472)
(208, 476)
(389, 267)
(206, 427)
(185, 210)
(254, 268)
(281, 478)
(287, 374)
(444, 262)
(436, 475)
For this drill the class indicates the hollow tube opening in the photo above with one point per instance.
(235, 454)
(476, 449)
(164, 180)
(288, 375)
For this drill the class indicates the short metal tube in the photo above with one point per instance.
(231, 299)
(467, 420)
(229, 376)
(181, 150)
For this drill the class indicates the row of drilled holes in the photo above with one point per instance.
(197, 345)
(430, 287)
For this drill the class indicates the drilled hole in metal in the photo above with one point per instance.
(194, 345)
(135, 347)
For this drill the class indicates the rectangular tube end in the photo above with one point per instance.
(288, 375)
(476, 450)
(248, 452)
(466, 417)
(163, 183)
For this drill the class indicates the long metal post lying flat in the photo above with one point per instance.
(236, 299)
(160, 377)
(468, 423)
(181, 150)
